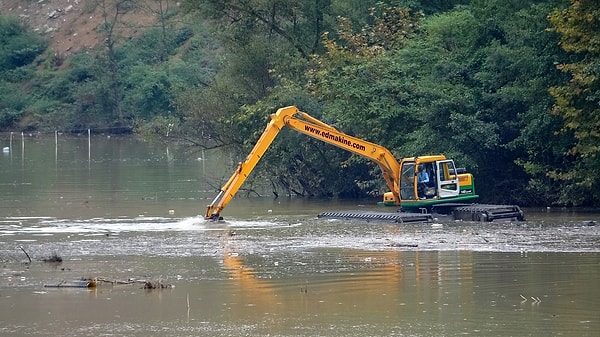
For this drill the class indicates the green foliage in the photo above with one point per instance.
(148, 91)
(160, 128)
(578, 99)
(431, 6)
(11, 104)
(358, 79)
(18, 47)
(469, 85)
(344, 176)
(296, 24)
(484, 80)
(266, 45)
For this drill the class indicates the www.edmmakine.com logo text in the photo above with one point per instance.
(335, 138)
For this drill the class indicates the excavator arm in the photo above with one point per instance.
(302, 122)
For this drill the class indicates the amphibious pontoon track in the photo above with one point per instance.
(400, 217)
(481, 212)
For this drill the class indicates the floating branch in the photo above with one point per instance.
(73, 284)
(399, 244)
(24, 251)
(146, 284)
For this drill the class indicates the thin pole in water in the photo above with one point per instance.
(89, 148)
(22, 149)
(55, 146)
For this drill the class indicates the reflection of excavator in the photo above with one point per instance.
(375, 281)
(446, 185)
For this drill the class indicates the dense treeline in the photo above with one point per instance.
(508, 89)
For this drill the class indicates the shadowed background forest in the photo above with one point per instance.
(508, 89)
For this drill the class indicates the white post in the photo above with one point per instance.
(22, 149)
(89, 148)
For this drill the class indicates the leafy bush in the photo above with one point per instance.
(18, 47)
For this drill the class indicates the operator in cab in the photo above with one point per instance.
(422, 180)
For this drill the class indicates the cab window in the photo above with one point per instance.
(407, 181)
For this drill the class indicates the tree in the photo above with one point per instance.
(481, 98)
(355, 77)
(578, 100)
(298, 23)
(262, 43)
(164, 11)
(357, 81)
(19, 48)
(431, 6)
(471, 83)
(268, 46)
(112, 11)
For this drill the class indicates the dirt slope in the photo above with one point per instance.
(71, 25)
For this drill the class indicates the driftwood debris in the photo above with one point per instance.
(398, 244)
(158, 284)
(94, 282)
(73, 284)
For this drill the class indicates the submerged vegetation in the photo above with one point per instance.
(508, 89)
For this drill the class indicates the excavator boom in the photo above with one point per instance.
(302, 122)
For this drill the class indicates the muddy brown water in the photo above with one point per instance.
(116, 209)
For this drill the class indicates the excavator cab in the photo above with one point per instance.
(439, 178)
(445, 183)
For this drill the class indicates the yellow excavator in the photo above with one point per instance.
(445, 187)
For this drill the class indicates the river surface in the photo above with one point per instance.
(124, 212)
